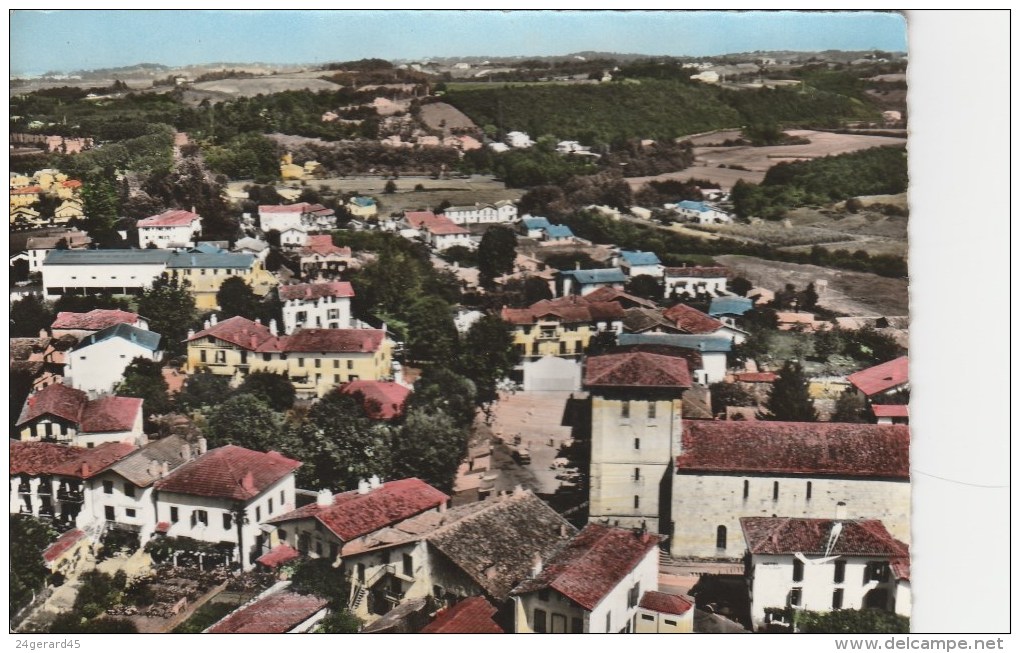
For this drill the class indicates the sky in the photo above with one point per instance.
(68, 40)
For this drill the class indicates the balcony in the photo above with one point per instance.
(70, 496)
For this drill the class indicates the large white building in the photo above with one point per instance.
(692, 281)
(316, 305)
(169, 230)
(700, 212)
(97, 363)
(823, 565)
(502, 211)
(311, 217)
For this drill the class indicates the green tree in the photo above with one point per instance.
(318, 576)
(390, 187)
(144, 378)
(826, 344)
(868, 344)
(29, 537)
(245, 421)
(170, 309)
(850, 407)
(488, 355)
(236, 297)
(430, 447)
(203, 389)
(100, 205)
(646, 286)
(729, 394)
(740, 286)
(867, 621)
(790, 400)
(276, 390)
(496, 254)
(439, 389)
(339, 621)
(29, 316)
(601, 343)
(432, 334)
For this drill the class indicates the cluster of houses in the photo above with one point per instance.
(27, 194)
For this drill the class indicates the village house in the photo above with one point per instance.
(659, 612)
(635, 402)
(822, 565)
(311, 217)
(224, 496)
(82, 325)
(64, 415)
(47, 480)
(362, 207)
(472, 616)
(123, 495)
(712, 348)
(316, 305)
(801, 322)
(293, 237)
(97, 363)
(729, 309)
(438, 231)
(582, 282)
(533, 227)
(625, 300)
(276, 611)
(173, 229)
(593, 585)
(726, 470)
(39, 246)
(887, 383)
(561, 327)
(257, 248)
(700, 212)
(24, 217)
(502, 211)
(518, 140)
(691, 281)
(315, 360)
(636, 263)
(319, 255)
(687, 319)
(381, 400)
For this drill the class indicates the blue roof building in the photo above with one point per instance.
(690, 205)
(636, 258)
(141, 337)
(735, 306)
(534, 223)
(558, 231)
(705, 343)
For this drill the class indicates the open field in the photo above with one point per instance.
(725, 177)
(851, 293)
(440, 115)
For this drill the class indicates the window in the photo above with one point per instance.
(129, 512)
(807, 492)
(576, 625)
(199, 517)
(244, 358)
(559, 623)
(794, 597)
(543, 595)
(877, 571)
(637, 473)
(107, 487)
(647, 617)
(720, 537)
(283, 497)
(221, 357)
(408, 565)
(129, 490)
(110, 514)
(625, 410)
(301, 362)
(318, 548)
(637, 501)
(361, 572)
(609, 622)
(651, 410)
(633, 595)
(669, 622)
(350, 365)
(201, 355)
(174, 515)
(336, 363)
(270, 506)
(837, 599)
(258, 513)
(775, 490)
(267, 357)
(283, 534)
(747, 488)
(318, 363)
(798, 570)
(539, 620)
(637, 444)
(839, 571)
(228, 521)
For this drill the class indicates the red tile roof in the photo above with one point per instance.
(636, 369)
(62, 544)
(27, 190)
(592, 564)
(352, 515)
(71, 183)
(779, 535)
(273, 614)
(46, 458)
(95, 320)
(901, 567)
(471, 616)
(691, 320)
(171, 218)
(280, 554)
(323, 246)
(229, 472)
(609, 294)
(665, 603)
(379, 399)
(58, 400)
(331, 341)
(881, 378)
(568, 310)
(811, 448)
(890, 410)
(443, 226)
(698, 272)
(300, 207)
(110, 414)
(756, 377)
(102, 415)
(238, 331)
(316, 290)
(417, 218)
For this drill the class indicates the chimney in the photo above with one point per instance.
(86, 470)
(563, 530)
(272, 328)
(254, 342)
(374, 482)
(258, 321)
(363, 487)
(203, 446)
(213, 319)
(154, 468)
(577, 265)
(191, 334)
(206, 325)
(536, 565)
(324, 498)
(841, 510)
(43, 334)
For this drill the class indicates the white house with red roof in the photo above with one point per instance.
(691, 281)
(659, 612)
(438, 231)
(324, 305)
(61, 414)
(277, 610)
(171, 229)
(822, 565)
(224, 496)
(592, 585)
(687, 319)
(311, 217)
(81, 325)
(97, 363)
(49, 480)
(730, 469)
(635, 400)
(319, 254)
(886, 389)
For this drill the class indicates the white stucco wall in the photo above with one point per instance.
(321, 313)
(98, 368)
